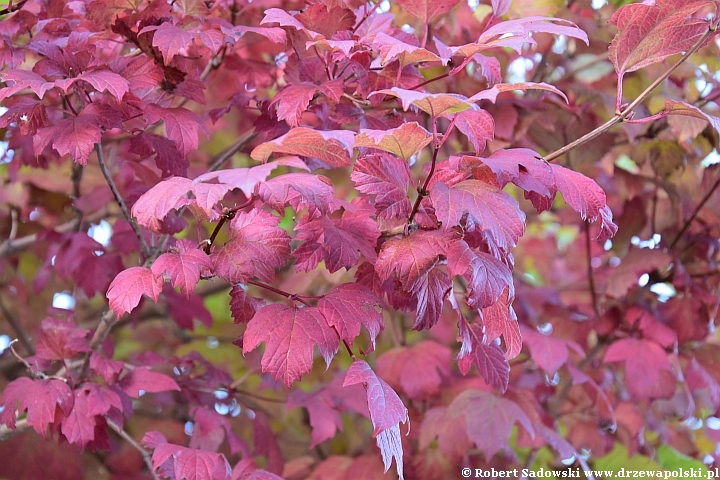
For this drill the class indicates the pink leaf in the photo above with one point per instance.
(350, 305)
(181, 125)
(648, 373)
(426, 10)
(186, 463)
(492, 93)
(548, 352)
(246, 179)
(430, 291)
(403, 141)
(299, 190)
(39, 398)
(487, 358)
(388, 178)
(673, 107)
(289, 334)
(478, 126)
(418, 370)
(256, 247)
(324, 418)
(516, 33)
(242, 305)
(60, 339)
(409, 258)
(292, 101)
(106, 81)
(169, 39)
(500, 7)
(183, 267)
(152, 206)
(129, 286)
(142, 378)
(333, 147)
(386, 412)
(434, 104)
(391, 48)
(23, 79)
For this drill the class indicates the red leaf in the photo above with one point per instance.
(649, 33)
(487, 278)
(142, 378)
(246, 179)
(403, 141)
(106, 81)
(333, 147)
(167, 156)
(648, 373)
(549, 353)
(337, 241)
(488, 419)
(388, 178)
(299, 190)
(673, 107)
(500, 319)
(292, 101)
(489, 208)
(169, 39)
(185, 463)
(327, 20)
(23, 79)
(40, 398)
(74, 136)
(79, 426)
(128, 287)
(256, 247)
(426, 10)
(289, 334)
(386, 412)
(580, 192)
(60, 339)
(478, 126)
(521, 166)
(242, 305)
(430, 291)
(418, 370)
(181, 125)
(409, 258)
(488, 358)
(625, 276)
(109, 370)
(183, 266)
(324, 419)
(350, 305)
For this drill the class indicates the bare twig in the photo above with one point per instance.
(13, 8)
(621, 116)
(422, 191)
(120, 201)
(232, 150)
(690, 219)
(17, 328)
(7, 432)
(101, 332)
(147, 458)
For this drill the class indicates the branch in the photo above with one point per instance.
(147, 458)
(690, 219)
(422, 192)
(7, 432)
(101, 332)
(120, 201)
(15, 8)
(591, 276)
(17, 327)
(621, 116)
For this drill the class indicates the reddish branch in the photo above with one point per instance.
(690, 219)
(147, 458)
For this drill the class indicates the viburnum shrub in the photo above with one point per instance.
(497, 222)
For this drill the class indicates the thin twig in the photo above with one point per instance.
(232, 150)
(690, 219)
(147, 458)
(120, 201)
(422, 191)
(621, 116)
(591, 276)
(7, 432)
(101, 332)
(15, 8)
(17, 328)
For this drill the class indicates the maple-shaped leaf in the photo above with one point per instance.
(80, 424)
(143, 379)
(487, 358)
(403, 141)
(22, 79)
(39, 398)
(391, 48)
(491, 210)
(60, 339)
(350, 305)
(487, 279)
(299, 190)
(409, 258)
(292, 101)
(280, 16)
(493, 92)
(426, 10)
(488, 419)
(337, 241)
(386, 412)
(109, 370)
(242, 305)
(649, 33)
(648, 373)
(333, 147)
(169, 39)
(478, 126)
(180, 462)
(129, 286)
(548, 352)
(327, 20)
(431, 291)
(77, 136)
(521, 166)
(246, 179)
(182, 266)
(433, 104)
(388, 178)
(101, 80)
(289, 334)
(151, 208)
(276, 35)
(167, 156)
(625, 276)
(500, 320)
(256, 247)
(419, 370)
(181, 125)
